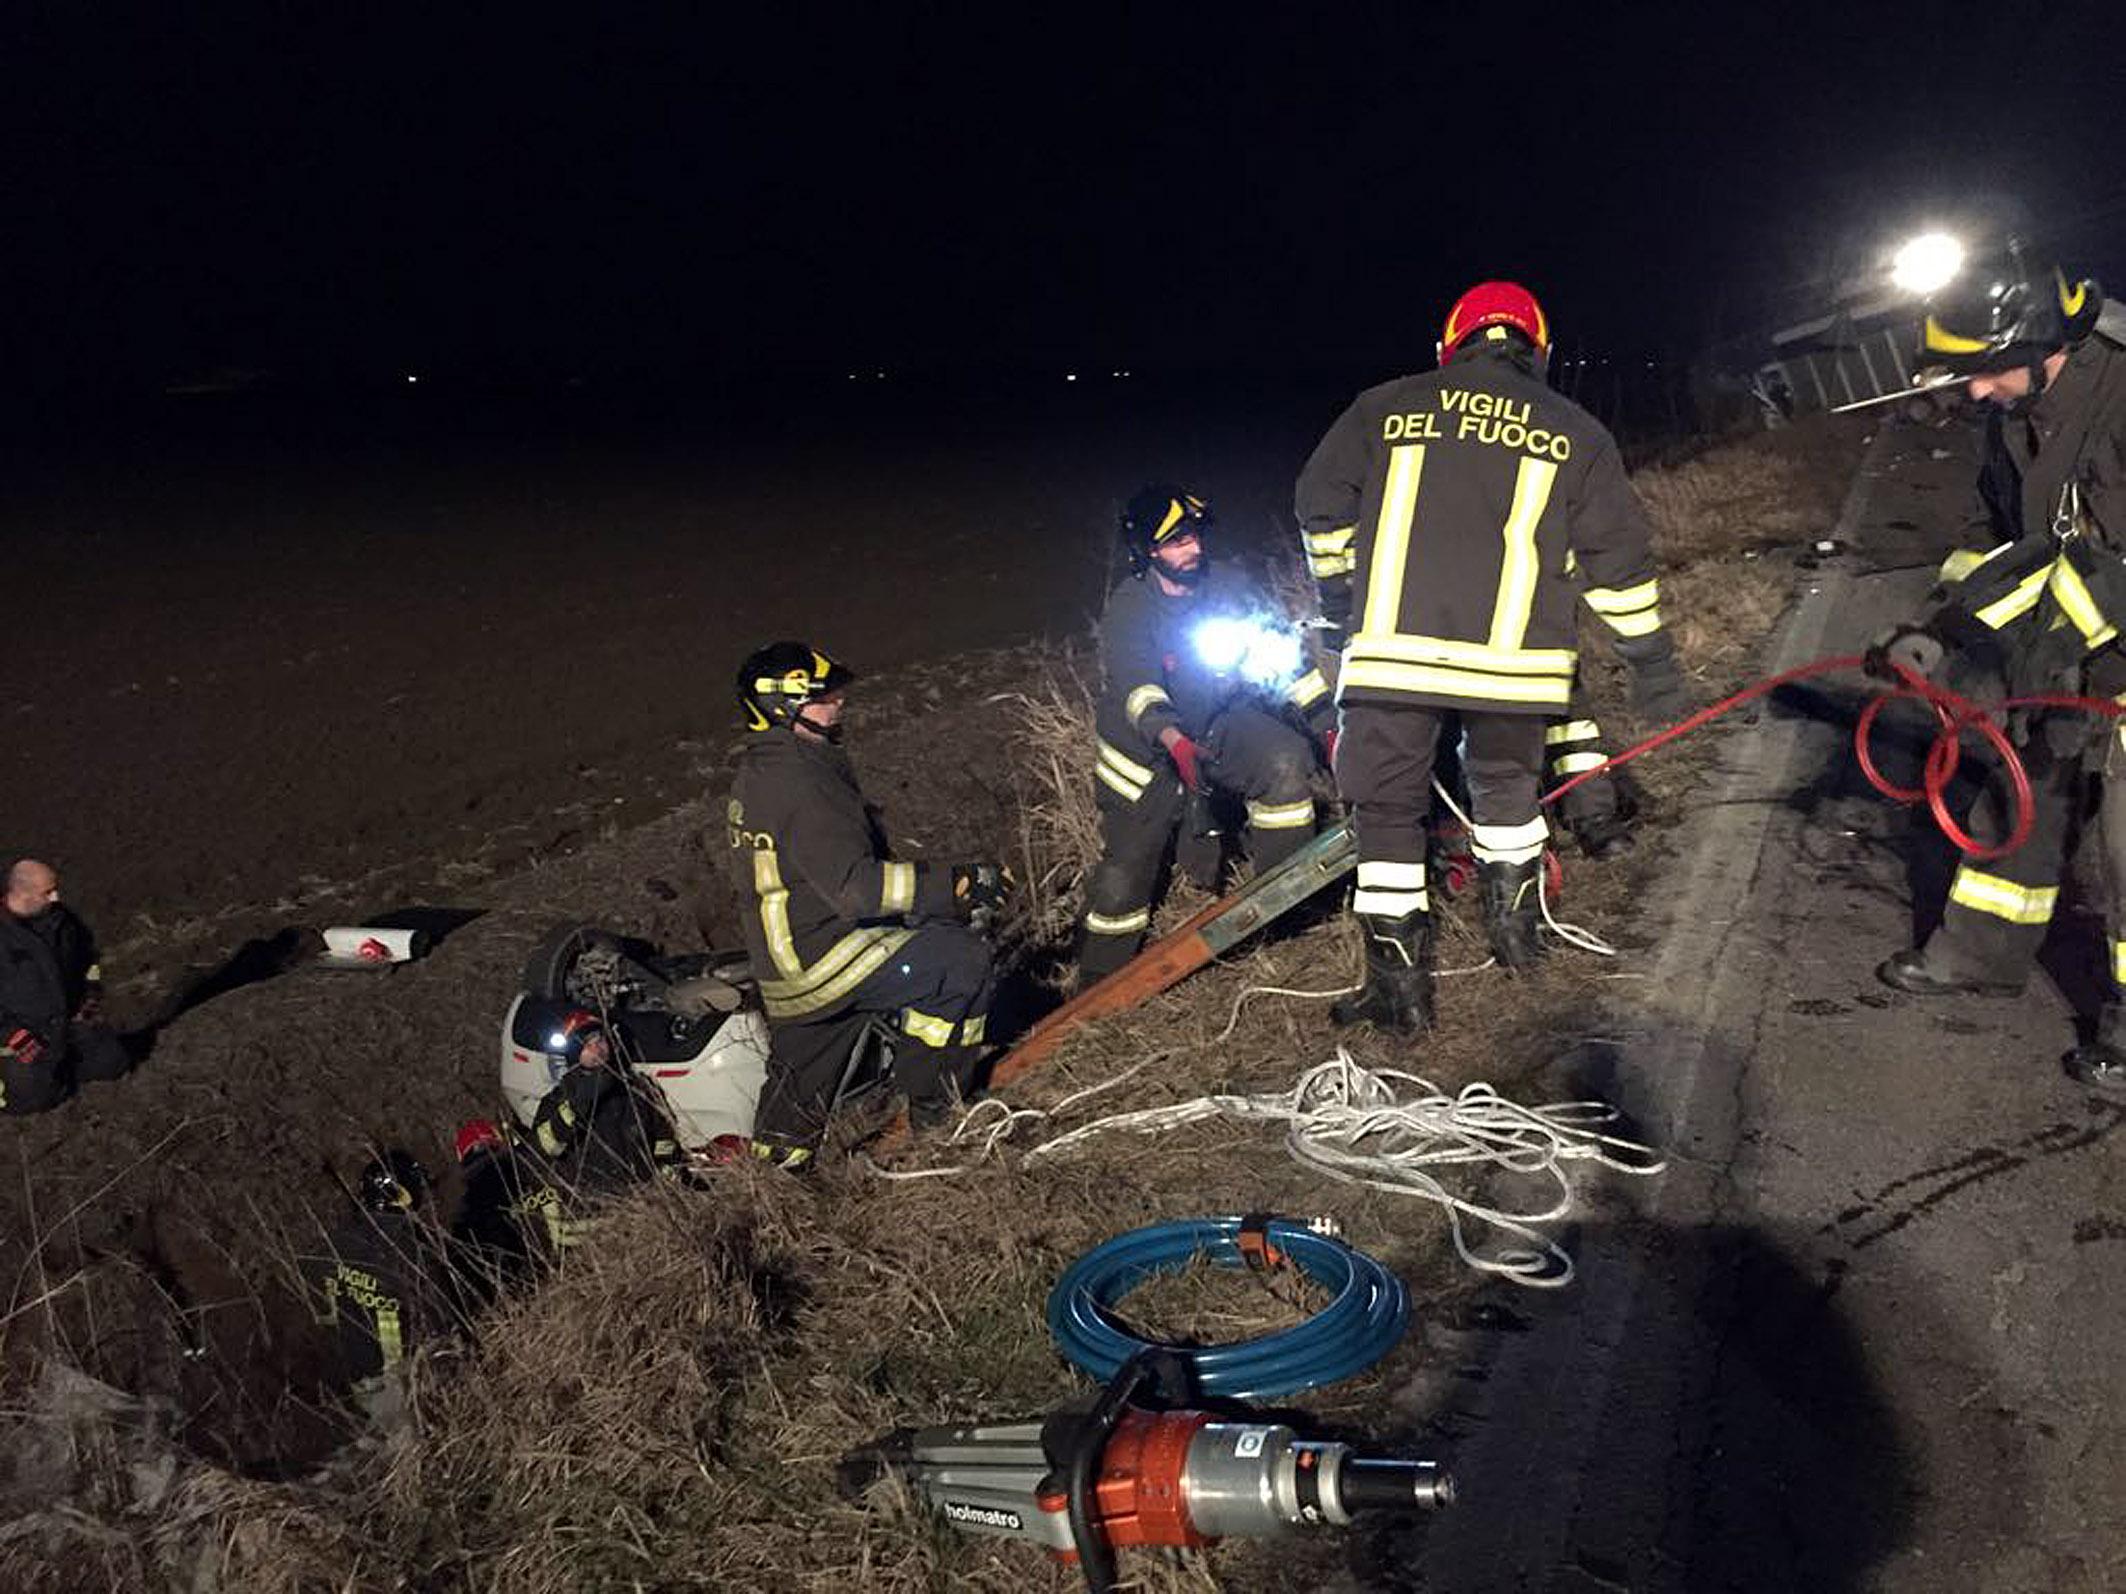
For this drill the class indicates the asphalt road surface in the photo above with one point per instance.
(1867, 1333)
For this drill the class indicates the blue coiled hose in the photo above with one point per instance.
(1355, 1330)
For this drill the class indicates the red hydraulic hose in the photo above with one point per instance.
(1954, 715)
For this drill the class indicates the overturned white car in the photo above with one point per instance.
(691, 1024)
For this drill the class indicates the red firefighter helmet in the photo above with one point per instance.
(478, 1134)
(1494, 304)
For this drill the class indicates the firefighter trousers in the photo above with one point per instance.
(1248, 751)
(1999, 910)
(937, 990)
(1384, 761)
(1571, 746)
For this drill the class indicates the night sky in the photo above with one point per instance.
(528, 189)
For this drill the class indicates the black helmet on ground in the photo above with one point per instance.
(394, 1182)
(1156, 516)
(777, 681)
(2004, 312)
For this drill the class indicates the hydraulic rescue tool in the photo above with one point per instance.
(1085, 1482)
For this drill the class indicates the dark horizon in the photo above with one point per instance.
(845, 188)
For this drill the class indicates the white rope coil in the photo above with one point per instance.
(1351, 1124)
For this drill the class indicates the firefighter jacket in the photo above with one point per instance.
(603, 1129)
(827, 903)
(381, 1289)
(2051, 596)
(1443, 517)
(493, 1239)
(48, 967)
(1156, 676)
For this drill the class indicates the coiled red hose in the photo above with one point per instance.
(1954, 715)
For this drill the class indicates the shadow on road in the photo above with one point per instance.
(1739, 1436)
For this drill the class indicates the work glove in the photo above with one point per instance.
(1659, 693)
(24, 1047)
(978, 892)
(1187, 761)
(1912, 647)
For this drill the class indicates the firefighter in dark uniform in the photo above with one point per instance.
(498, 1233)
(600, 1130)
(1206, 686)
(2040, 613)
(1600, 813)
(837, 927)
(51, 990)
(1465, 499)
(383, 1282)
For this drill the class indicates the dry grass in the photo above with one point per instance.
(1058, 825)
(666, 1411)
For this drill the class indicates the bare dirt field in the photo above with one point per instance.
(370, 678)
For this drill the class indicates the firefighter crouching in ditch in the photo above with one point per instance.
(1203, 685)
(837, 928)
(383, 1283)
(2041, 613)
(1465, 498)
(601, 1129)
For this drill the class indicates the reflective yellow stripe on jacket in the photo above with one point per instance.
(1628, 611)
(840, 969)
(1443, 667)
(799, 989)
(1329, 553)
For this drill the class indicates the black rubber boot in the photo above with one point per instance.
(1513, 914)
(1911, 971)
(938, 1080)
(1099, 956)
(1607, 837)
(2101, 1066)
(2101, 1063)
(1398, 992)
(778, 1152)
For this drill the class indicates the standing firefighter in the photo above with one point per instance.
(2039, 614)
(838, 928)
(1453, 507)
(383, 1283)
(1203, 682)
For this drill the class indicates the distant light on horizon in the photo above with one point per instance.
(1070, 376)
(410, 380)
(1927, 264)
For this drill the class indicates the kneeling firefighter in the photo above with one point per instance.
(1454, 505)
(601, 1129)
(838, 928)
(383, 1282)
(1204, 683)
(2041, 613)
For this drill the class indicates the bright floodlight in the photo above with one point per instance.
(1927, 264)
(1263, 653)
(1222, 641)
